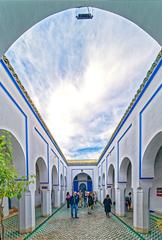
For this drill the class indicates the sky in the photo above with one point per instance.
(82, 75)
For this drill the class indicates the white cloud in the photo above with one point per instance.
(82, 75)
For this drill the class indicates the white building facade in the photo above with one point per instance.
(130, 163)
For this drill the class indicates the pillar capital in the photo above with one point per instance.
(145, 183)
(121, 186)
(44, 187)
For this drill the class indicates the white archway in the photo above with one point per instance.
(123, 170)
(135, 12)
(111, 182)
(111, 175)
(149, 156)
(41, 179)
(19, 162)
(151, 165)
(125, 177)
(62, 189)
(55, 186)
(82, 181)
(103, 187)
(156, 189)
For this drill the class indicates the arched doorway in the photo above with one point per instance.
(19, 161)
(99, 188)
(125, 185)
(62, 189)
(41, 187)
(111, 182)
(150, 183)
(82, 181)
(21, 206)
(54, 193)
(103, 187)
(82, 187)
(156, 189)
(65, 187)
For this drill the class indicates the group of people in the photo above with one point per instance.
(81, 199)
(86, 199)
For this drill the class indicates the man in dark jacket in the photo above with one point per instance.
(74, 200)
(90, 203)
(107, 205)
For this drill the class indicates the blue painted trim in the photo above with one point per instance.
(41, 136)
(110, 151)
(140, 131)
(30, 106)
(118, 151)
(133, 106)
(26, 128)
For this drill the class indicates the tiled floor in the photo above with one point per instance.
(11, 225)
(154, 231)
(96, 226)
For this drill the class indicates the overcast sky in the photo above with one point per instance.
(82, 75)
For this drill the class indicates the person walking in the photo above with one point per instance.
(85, 199)
(90, 203)
(128, 202)
(107, 205)
(80, 199)
(74, 200)
(68, 199)
(95, 199)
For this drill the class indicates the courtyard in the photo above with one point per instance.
(94, 226)
(80, 111)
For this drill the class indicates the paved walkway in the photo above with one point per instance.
(96, 226)
(11, 225)
(154, 232)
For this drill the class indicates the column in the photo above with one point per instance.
(113, 194)
(120, 200)
(46, 202)
(27, 212)
(5, 207)
(100, 194)
(53, 198)
(57, 202)
(103, 193)
(141, 209)
(63, 195)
